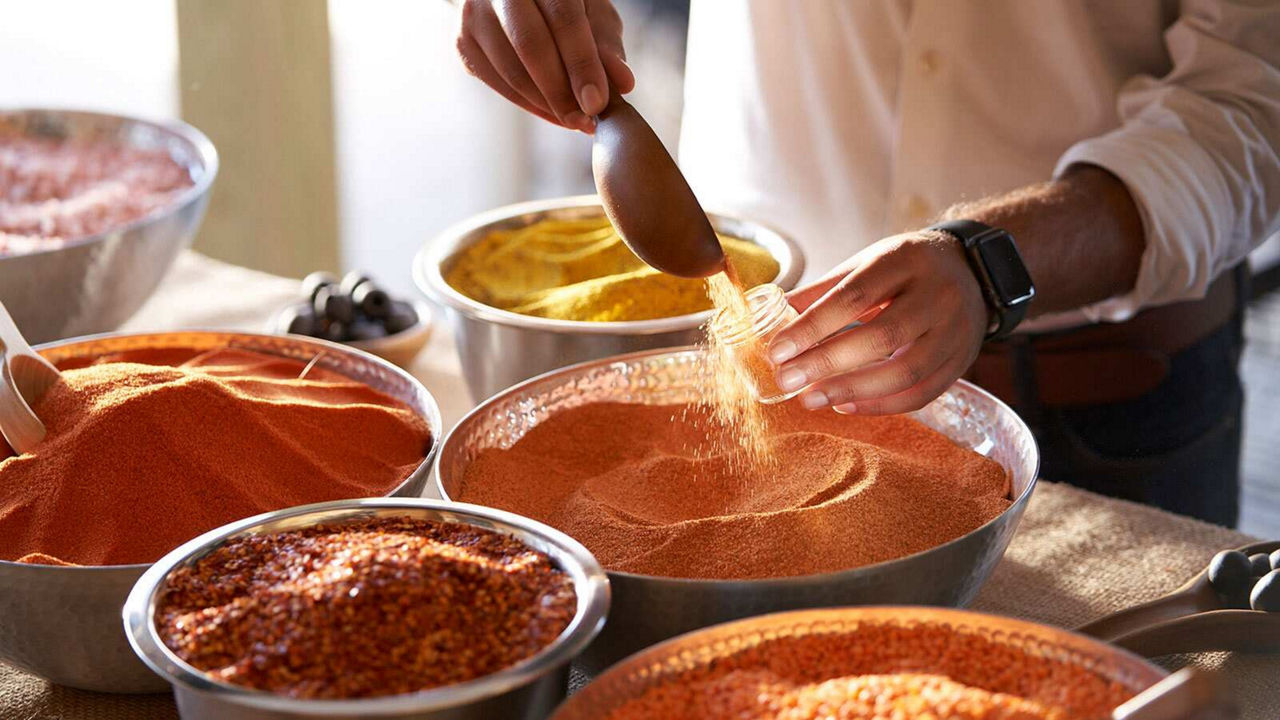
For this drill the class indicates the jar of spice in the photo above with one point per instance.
(743, 335)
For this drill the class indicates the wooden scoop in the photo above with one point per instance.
(1188, 694)
(647, 198)
(1192, 618)
(24, 379)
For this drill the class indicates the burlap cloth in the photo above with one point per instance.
(1076, 555)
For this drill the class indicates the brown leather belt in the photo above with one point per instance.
(1107, 362)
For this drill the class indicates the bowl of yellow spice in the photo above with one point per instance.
(537, 286)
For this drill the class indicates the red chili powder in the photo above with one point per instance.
(637, 485)
(148, 449)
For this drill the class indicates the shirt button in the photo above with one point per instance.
(916, 210)
(929, 62)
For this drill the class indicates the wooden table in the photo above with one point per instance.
(1076, 555)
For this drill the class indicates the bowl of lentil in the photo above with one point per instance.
(61, 621)
(94, 208)
(868, 662)
(394, 608)
(575, 294)
(674, 569)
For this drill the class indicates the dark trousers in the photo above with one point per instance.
(1176, 447)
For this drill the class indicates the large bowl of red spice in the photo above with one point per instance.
(94, 208)
(390, 608)
(868, 662)
(136, 469)
(854, 511)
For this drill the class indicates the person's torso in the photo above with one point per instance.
(841, 121)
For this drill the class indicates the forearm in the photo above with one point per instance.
(1080, 236)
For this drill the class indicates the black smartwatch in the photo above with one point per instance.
(994, 258)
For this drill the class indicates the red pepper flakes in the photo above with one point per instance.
(378, 607)
(883, 672)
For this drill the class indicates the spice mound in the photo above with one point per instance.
(654, 489)
(378, 607)
(581, 270)
(147, 449)
(881, 671)
(52, 191)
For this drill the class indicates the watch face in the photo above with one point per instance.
(1004, 267)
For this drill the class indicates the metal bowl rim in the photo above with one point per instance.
(429, 260)
(970, 618)
(433, 419)
(593, 606)
(753, 584)
(204, 149)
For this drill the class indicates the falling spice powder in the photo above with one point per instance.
(844, 491)
(147, 449)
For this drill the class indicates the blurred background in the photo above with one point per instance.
(349, 135)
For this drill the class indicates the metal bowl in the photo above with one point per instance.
(95, 283)
(528, 690)
(648, 609)
(500, 348)
(63, 623)
(632, 677)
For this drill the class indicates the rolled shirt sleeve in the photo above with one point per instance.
(1199, 151)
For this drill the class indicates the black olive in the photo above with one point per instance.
(337, 331)
(1266, 593)
(1260, 563)
(312, 283)
(298, 320)
(401, 318)
(372, 300)
(364, 329)
(1231, 575)
(1275, 560)
(351, 281)
(334, 305)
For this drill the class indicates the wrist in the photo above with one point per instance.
(998, 268)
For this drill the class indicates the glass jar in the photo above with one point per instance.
(746, 338)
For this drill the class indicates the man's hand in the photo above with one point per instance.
(557, 59)
(923, 319)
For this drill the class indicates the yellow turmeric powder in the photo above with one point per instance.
(581, 270)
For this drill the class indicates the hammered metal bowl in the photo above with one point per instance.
(63, 623)
(656, 665)
(498, 349)
(648, 609)
(529, 690)
(95, 283)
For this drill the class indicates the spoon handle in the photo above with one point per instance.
(24, 378)
(31, 374)
(1188, 694)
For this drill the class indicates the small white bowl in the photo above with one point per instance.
(399, 348)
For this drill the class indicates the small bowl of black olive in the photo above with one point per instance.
(354, 310)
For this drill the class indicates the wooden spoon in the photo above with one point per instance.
(1188, 694)
(647, 198)
(1192, 618)
(24, 378)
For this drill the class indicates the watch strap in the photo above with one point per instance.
(971, 234)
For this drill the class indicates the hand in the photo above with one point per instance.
(923, 318)
(555, 58)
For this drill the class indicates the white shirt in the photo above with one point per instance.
(843, 121)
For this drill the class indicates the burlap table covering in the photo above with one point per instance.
(1076, 555)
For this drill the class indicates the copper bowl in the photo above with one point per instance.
(635, 675)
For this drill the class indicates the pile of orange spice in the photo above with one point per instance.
(147, 449)
(881, 671)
